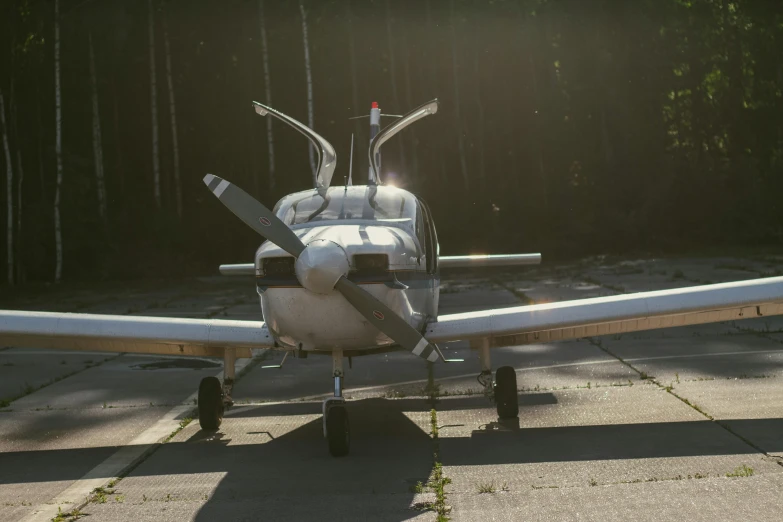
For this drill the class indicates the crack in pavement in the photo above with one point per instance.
(670, 390)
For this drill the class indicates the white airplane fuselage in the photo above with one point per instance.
(388, 238)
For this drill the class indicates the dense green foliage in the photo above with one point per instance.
(587, 125)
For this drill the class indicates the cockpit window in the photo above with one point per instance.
(383, 204)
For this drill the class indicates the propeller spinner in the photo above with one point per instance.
(321, 266)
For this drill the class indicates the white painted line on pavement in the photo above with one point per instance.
(75, 496)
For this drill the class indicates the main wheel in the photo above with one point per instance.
(506, 396)
(338, 432)
(210, 403)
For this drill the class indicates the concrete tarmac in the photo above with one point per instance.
(684, 422)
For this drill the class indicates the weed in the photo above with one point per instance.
(100, 495)
(677, 377)
(486, 487)
(592, 482)
(504, 488)
(438, 480)
(68, 516)
(742, 471)
(119, 498)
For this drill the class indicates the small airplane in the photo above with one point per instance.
(354, 270)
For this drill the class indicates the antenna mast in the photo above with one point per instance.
(375, 128)
(350, 164)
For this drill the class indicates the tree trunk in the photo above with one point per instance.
(97, 142)
(41, 149)
(14, 117)
(458, 118)
(20, 273)
(58, 147)
(9, 184)
(173, 115)
(408, 101)
(118, 159)
(358, 124)
(270, 141)
(310, 117)
(393, 78)
(154, 107)
(480, 110)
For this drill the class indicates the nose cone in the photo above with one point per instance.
(320, 265)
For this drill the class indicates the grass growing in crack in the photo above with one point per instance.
(182, 425)
(741, 471)
(438, 480)
(67, 516)
(486, 487)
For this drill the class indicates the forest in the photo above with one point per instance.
(568, 127)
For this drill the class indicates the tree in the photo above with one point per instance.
(58, 235)
(97, 143)
(270, 141)
(9, 184)
(309, 73)
(154, 107)
(173, 116)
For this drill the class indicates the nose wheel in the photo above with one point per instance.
(338, 433)
(337, 430)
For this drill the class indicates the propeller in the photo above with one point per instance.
(321, 266)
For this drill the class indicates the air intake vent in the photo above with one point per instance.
(371, 263)
(279, 266)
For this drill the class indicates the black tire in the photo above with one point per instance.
(210, 403)
(338, 432)
(506, 397)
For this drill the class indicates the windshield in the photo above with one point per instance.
(384, 204)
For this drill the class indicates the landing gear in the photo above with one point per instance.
(336, 426)
(210, 403)
(506, 398)
(338, 433)
(503, 389)
(214, 398)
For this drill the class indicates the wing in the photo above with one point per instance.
(614, 314)
(120, 333)
(244, 269)
(484, 260)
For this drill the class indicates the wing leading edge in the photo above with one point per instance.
(614, 314)
(120, 333)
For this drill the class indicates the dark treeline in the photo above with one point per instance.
(566, 126)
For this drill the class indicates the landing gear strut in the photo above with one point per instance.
(336, 426)
(214, 398)
(503, 389)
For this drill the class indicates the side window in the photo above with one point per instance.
(429, 239)
(421, 229)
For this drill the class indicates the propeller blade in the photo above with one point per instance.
(256, 215)
(385, 320)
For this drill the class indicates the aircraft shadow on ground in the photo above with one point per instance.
(381, 431)
(390, 453)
